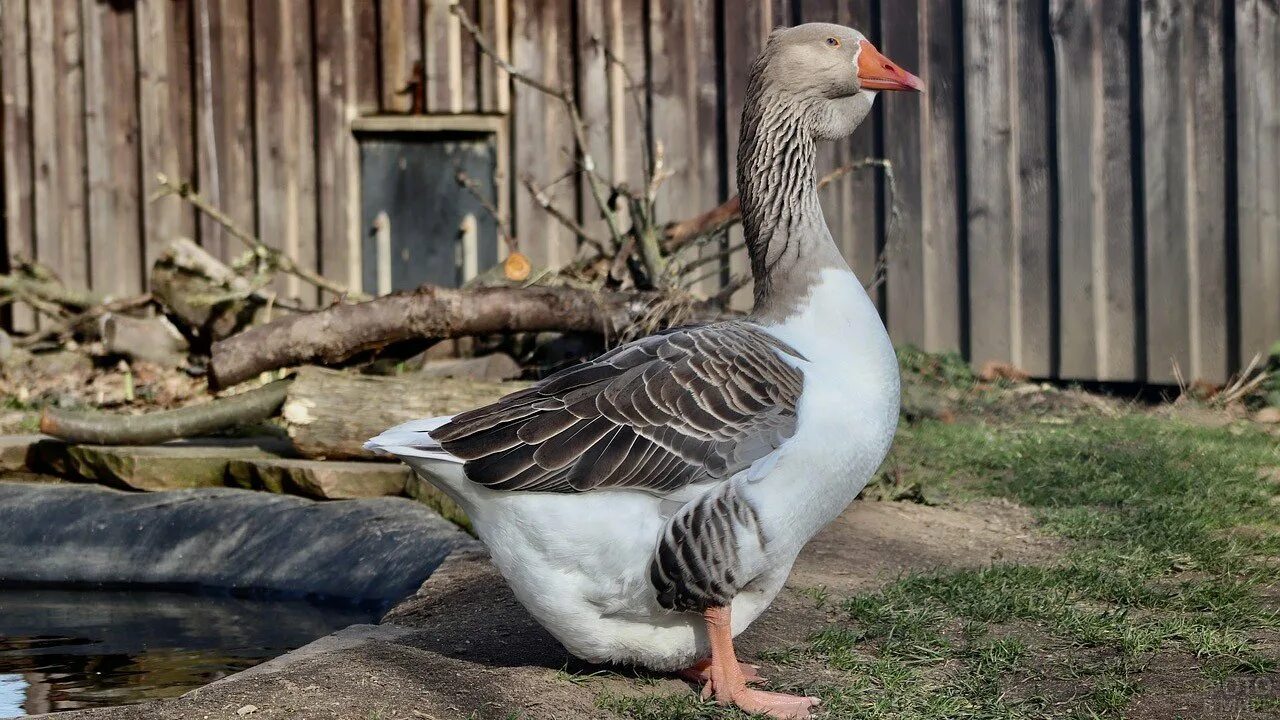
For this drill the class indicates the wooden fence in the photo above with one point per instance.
(1089, 189)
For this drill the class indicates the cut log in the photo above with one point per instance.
(329, 414)
(206, 299)
(342, 331)
(102, 428)
(152, 339)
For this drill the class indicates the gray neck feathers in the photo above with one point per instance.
(786, 235)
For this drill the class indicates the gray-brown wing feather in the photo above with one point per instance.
(696, 563)
(688, 405)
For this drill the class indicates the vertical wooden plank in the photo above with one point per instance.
(1258, 168)
(1121, 359)
(745, 35)
(1165, 174)
(337, 156)
(1081, 246)
(940, 188)
(442, 56)
(1029, 187)
(628, 96)
(111, 133)
(495, 86)
(542, 44)
(467, 58)
(283, 107)
(683, 47)
(612, 109)
(400, 39)
(619, 91)
(58, 146)
(15, 137)
(593, 94)
(368, 80)
(905, 32)
(990, 153)
(862, 234)
(165, 101)
(1208, 194)
(1090, 41)
(1183, 123)
(224, 121)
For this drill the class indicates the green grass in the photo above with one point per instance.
(947, 369)
(1172, 530)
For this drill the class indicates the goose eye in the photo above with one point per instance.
(833, 42)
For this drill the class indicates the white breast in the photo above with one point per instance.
(847, 414)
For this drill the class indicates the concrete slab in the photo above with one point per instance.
(16, 454)
(172, 466)
(321, 479)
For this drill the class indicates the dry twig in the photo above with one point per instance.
(1244, 383)
(473, 188)
(274, 257)
(544, 201)
(64, 327)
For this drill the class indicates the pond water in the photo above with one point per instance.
(69, 649)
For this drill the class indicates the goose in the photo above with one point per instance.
(647, 506)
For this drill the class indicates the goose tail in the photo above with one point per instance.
(412, 440)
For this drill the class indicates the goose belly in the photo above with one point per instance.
(579, 565)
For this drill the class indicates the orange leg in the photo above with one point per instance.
(728, 683)
(700, 672)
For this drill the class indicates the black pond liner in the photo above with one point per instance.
(110, 597)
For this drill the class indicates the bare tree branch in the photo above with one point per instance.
(341, 331)
(540, 196)
(102, 428)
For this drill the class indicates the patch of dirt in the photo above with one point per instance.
(875, 542)
(1172, 686)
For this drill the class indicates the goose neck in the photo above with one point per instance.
(786, 235)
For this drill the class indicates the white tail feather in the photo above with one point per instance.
(413, 439)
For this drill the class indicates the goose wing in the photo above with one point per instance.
(669, 410)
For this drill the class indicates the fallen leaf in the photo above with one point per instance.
(997, 370)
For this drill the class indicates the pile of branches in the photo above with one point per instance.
(227, 322)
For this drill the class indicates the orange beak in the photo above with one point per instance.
(877, 72)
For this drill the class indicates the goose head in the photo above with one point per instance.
(830, 74)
